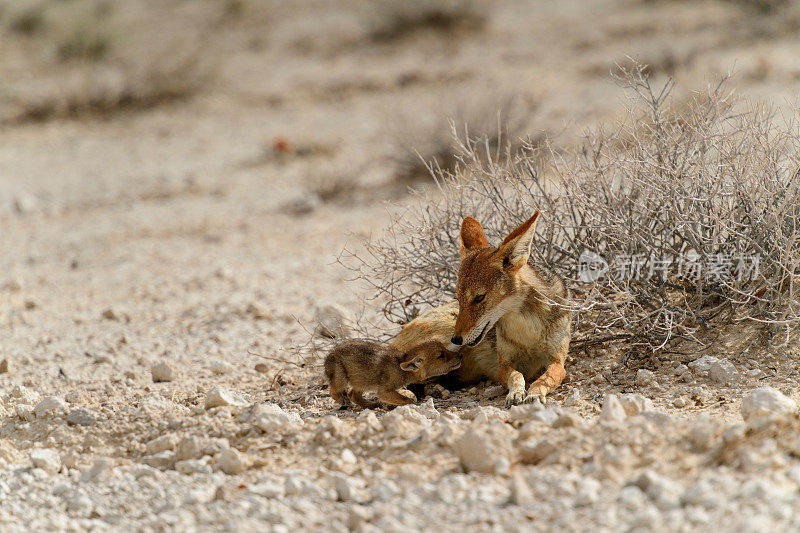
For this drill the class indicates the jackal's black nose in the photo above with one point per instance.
(457, 340)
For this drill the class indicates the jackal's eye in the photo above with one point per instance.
(478, 299)
(441, 355)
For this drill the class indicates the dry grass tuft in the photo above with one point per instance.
(391, 20)
(713, 181)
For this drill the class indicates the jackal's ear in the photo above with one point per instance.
(516, 248)
(472, 236)
(412, 365)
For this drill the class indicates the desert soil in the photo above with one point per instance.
(160, 260)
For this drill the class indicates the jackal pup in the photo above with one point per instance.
(371, 366)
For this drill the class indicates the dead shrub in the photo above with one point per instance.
(390, 20)
(625, 217)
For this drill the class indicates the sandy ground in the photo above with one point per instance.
(195, 231)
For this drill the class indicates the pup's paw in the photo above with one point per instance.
(536, 397)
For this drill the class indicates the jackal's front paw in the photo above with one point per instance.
(515, 397)
(533, 398)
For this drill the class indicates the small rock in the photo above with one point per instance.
(493, 391)
(24, 203)
(162, 372)
(302, 205)
(97, 471)
(161, 460)
(220, 397)
(332, 322)
(534, 452)
(588, 492)
(722, 371)
(189, 448)
(533, 412)
(635, 403)
(24, 411)
(81, 417)
(270, 418)
(5, 366)
(221, 367)
(109, 314)
(764, 402)
(47, 459)
(702, 365)
(680, 402)
(664, 492)
(573, 397)
(348, 457)
(160, 444)
(568, 419)
(51, 404)
(613, 411)
(191, 466)
(483, 444)
(232, 462)
(521, 493)
(262, 368)
(645, 378)
(74, 396)
(348, 488)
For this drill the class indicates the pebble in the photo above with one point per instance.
(270, 418)
(680, 402)
(613, 411)
(81, 416)
(645, 378)
(261, 368)
(24, 411)
(764, 402)
(722, 371)
(348, 488)
(47, 459)
(232, 462)
(5, 366)
(702, 365)
(221, 367)
(221, 397)
(520, 492)
(49, 405)
(160, 460)
(635, 403)
(483, 444)
(99, 469)
(162, 443)
(573, 397)
(162, 372)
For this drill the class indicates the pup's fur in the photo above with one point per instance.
(511, 320)
(371, 366)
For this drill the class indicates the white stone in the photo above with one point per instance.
(162, 372)
(160, 460)
(162, 443)
(221, 367)
(664, 492)
(722, 371)
(49, 405)
(702, 365)
(764, 402)
(270, 418)
(533, 412)
(588, 492)
(348, 457)
(99, 469)
(332, 322)
(189, 448)
(221, 397)
(480, 447)
(24, 411)
(81, 416)
(613, 411)
(521, 493)
(573, 397)
(645, 378)
(635, 403)
(348, 488)
(47, 459)
(24, 395)
(232, 462)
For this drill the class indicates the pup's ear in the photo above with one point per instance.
(472, 236)
(412, 365)
(516, 248)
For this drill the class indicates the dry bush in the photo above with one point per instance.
(713, 182)
(390, 19)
